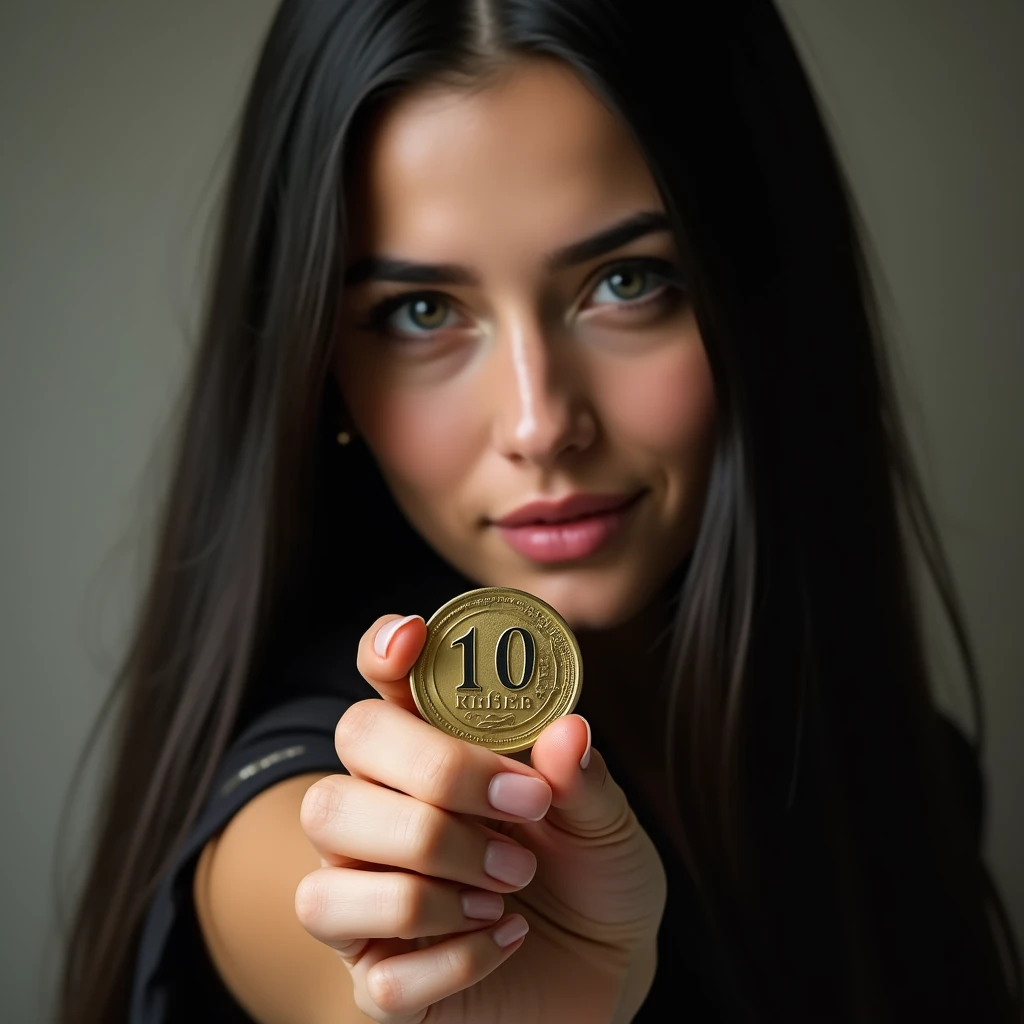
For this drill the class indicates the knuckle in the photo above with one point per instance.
(365, 1001)
(419, 830)
(437, 769)
(384, 986)
(356, 724)
(312, 899)
(456, 966)
(400, 905)
(321, 805)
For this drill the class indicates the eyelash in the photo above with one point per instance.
(379, 315)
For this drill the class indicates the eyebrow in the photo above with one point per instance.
(383, 268)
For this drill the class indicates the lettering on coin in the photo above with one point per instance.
(498, 665)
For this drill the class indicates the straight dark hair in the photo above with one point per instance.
(834, 856)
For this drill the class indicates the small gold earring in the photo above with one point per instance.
(344, 437)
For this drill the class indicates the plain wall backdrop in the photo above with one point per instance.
(114, 119)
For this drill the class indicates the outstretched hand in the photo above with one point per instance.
(438, 856)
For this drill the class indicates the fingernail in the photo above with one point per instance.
(509, 862)
(387, 631)
(482, 905)
(519, 794)
(585, 759)
(507, 933)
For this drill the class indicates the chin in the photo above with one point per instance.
(587, 600)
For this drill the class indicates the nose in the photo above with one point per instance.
(543, 412)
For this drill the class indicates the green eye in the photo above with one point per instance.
(425, 314)
(628, 284)
(413, 316)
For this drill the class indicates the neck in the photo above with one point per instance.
(623, 670)
(611, 656)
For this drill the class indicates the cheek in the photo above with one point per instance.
(664, 404)
(423, 443)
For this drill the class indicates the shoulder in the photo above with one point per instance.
(244, 889)
(256, 791)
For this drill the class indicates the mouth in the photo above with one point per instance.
(573, 528)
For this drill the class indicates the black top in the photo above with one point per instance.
(293, 733)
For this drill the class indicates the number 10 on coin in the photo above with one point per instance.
(498, 666)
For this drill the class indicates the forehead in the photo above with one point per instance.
(533, 160)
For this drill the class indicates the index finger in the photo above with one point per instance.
(382, 743)
(387, 651)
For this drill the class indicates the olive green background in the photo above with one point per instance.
(114, 117)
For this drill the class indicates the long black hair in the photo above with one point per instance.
(836, 866)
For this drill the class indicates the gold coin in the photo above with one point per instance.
(498, 666)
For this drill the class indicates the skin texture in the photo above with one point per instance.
(535, 383)
(522, 382)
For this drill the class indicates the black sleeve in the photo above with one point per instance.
(174, 980)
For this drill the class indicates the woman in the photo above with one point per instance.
(476, 255)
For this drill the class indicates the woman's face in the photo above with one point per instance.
(517, 347)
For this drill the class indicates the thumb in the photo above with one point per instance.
(387, 651)
(585, 801)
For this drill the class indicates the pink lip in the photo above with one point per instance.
(575, 527)
(572, 507)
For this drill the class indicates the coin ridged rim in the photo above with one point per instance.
(416, 681)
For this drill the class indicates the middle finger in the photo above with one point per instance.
(349, 818)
